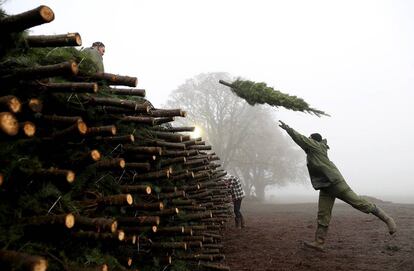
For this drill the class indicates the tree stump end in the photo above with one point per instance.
(9, 124)
(95, 155)
(69, 221)
(46, 13)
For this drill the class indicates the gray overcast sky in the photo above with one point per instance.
(353, 59)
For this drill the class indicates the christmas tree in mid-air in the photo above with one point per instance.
(260, 93)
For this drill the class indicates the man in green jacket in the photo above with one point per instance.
(96, 53)
(326, 178)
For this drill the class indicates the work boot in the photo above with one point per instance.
(237, 222)
(242, 224)
(320, 237)
(378, 212)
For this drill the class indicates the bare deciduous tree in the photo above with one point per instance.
(246, 138)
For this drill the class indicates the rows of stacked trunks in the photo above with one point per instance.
(92, 175)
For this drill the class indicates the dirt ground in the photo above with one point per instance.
(274, 235)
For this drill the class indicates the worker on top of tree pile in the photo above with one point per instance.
(237, 195)
(96, 53)
(326, 178)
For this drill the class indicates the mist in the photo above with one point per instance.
(351, 59)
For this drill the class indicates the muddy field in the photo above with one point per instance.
(274, 235)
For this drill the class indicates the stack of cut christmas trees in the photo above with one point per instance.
(92, 176)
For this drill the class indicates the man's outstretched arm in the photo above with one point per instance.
(303, 141)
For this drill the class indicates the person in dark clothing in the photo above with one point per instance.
(96, 52)
(326, 178)
(237, 195)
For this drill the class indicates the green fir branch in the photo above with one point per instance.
(259, 93)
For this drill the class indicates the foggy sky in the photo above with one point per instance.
(352, 59)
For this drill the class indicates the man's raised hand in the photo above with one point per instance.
(283, 125)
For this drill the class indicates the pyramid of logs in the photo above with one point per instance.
(92, 176)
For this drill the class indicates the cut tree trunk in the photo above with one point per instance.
(169, 136)
(71, 87)
(140, 229)
(115, 163)
(146, 189)
(13, 260)
(28, 19)
(72, 267)
(10, 103)
(212, 266)
(139, 119)
(77, 129)
(172, 145)
(38, 72)
(102, 130)
(61, 119)
(168, 113)
(8, 124)
(214, 246)
(168, 189)
(194, 238)
(171, 195)
(179, 202)
(206, 257)
(159, 121)
(200, 195)
(191, 188)
(195, 216)
(112, 79)
(195, 244)
(98, 224)
(55, 174)
(175, 129)
(172, 229)
(190, 142)
(116, 200)
(154, 206)
(121, 139)
(166, 212)
(67, 220)
(192, 208)
(138, 107)
(170, 245)
(174, 153)
(143, 150)
(89, 235)
(138, 220)
(69, 39)
(35, 105)
(200, 147)
(128, 92)
(195, 162)
(209, 251)
(86, 159)
(165, 173)
(176, 160)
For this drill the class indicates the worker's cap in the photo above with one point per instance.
(98, 44)
(316, 137)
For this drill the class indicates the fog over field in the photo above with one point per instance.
(351, 59)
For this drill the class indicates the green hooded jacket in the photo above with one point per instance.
(322, 171)
(96, 58)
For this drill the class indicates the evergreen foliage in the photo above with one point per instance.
(10, 41)
(260, 93)
(29, 57)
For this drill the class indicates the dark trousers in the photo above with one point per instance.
(237, 205)
(343, 192)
